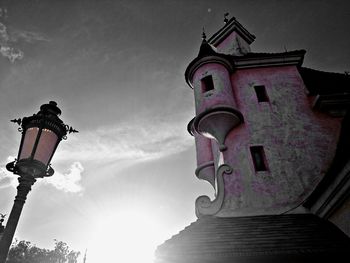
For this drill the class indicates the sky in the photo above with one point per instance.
(126, 181)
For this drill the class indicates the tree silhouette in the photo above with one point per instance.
(26, 252)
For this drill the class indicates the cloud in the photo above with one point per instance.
(69, 182)
(4, 37)
(11, 53)
(7, 179)
(3, 13)
(7, 40)
(6, 49)
(124, 143)
(27, 36)
(136, 140)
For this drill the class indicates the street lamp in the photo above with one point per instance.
(41, 134)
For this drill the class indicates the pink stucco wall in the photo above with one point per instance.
(205, 154)
(233, 44)
(299, 143)
(221, 95)
(205, 159)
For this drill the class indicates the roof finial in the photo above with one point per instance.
(225, 18)
(204, 36)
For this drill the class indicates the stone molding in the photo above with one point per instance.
(206, 60)
(204, 206)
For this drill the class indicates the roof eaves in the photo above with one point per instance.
(251, 60)
(325, 83)
(227, 29)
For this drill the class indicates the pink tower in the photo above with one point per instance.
(270, 139)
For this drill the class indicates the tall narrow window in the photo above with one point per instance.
(261, 93)
(207, 83)
(258, 157)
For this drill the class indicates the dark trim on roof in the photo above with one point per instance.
(268, 54)
(228, 28)
(258, 60)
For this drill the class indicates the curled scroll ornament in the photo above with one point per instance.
(204, 206)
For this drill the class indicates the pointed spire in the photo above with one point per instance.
(205, 49)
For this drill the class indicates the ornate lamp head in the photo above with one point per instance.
(41, 134)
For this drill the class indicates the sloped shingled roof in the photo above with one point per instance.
(253, 239)
(317, 82)
(206, 50)
(231, 25)
(342, 156)
(325, 83)
(267, 54)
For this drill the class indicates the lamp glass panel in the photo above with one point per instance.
(46, 146)
(28, 142)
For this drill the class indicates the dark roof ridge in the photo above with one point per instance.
(262, 54)
(325, 83)
(225, 25)
(327, 72)
(223, 31)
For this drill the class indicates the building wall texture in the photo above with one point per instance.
(299, 143)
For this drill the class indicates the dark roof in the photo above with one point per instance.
(325, 83)
(206, 50)
(214, 239)
(341, 157)
(265, 54)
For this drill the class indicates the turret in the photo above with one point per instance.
(253, 116)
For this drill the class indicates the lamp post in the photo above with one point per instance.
(41, 134)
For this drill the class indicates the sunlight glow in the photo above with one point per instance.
(126, 236)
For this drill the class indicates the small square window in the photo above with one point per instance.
(259, 159)
(207, 83)
(261, 93)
